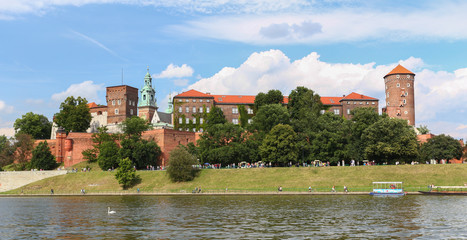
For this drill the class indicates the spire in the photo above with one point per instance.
(148, 94)
(399, 70)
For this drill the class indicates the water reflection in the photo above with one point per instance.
(220, 217)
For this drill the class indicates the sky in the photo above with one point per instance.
(52, 49)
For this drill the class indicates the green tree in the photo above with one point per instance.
(126, 174)
(362, 118)
(23, 147)
(423, 129)
(74, 115)
(390, 140)
(135, 126)
(108, 155)
(42, 158)
(441, 147)
(280, 145)
(141, 152)
(7, 151)
(269, 116)
(329, 142)
(182, 165)
(216, 116)
(272, 97)
(36, 125)
(304, 107)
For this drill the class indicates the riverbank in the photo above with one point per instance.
(293, 180)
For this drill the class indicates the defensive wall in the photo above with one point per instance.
(68, 148)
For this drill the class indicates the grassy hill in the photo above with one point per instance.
(321, 179)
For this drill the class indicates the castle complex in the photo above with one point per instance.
(184, 119)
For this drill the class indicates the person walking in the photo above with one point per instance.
(333, 189)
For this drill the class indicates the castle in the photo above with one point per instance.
(183, 121)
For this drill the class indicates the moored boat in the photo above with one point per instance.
(446, 190)
(387, 189)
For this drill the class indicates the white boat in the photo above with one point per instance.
(387, 189)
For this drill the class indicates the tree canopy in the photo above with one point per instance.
(390, 140)
(280, 145)
(441, 147)
(36, 125)
(42, 158)
(216, 116)
(126, 174)
(74, 115)
(182, 165)
(272, 97)
(269, 116)
(135, 126)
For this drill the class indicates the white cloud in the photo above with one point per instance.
(340, 24)
(436, 93)
(174, 71)
(4, 108)
(97, 43)
(86, 89)
(9, 132)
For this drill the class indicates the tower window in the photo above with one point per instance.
(408, 84)
(131, 111)
(152, 97)
(406, 93)
(398, 85)
(116, 111)
(113, 102)
(398, 76)
(405, 101)
(406, 112)
(119, 102)
(408, 76)
(144, 97)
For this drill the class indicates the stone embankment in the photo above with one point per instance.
(11, 179)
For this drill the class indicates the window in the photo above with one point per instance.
(235, 110)
(187, 129)
(180, 100)
(250, 111)
(348, 102)
(194, 109)
(113, 102)
(336, 111)
(187, 120)
(405, 112)
(144, 97)
(250, 121)
(367, 103)
(348, 110)
(186, 100)
(201, 109)
(408, 84)
(194, 129)
(398, 76)
(372, 103)
(387, 104)
(354, 103)
(361, 103)
(180, 129)
(201, 100)
(200, 120)
(408, 76)
(116, 111)
(180, 121)
(398, 85)
(406, 93)
(194, 120)
(187, 109)
(179, 109)
(119, 102)
(235, 121)
(207, 109)
(152, 97)
(131, 111)
(322, 111)
(387, 94)
(405, 101)
(194, 100)
(208, 100)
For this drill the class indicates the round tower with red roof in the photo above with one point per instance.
(400, 98)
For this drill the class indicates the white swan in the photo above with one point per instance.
(110, 212)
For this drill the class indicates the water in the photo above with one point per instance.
(234, 217)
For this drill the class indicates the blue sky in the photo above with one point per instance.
(52, 49)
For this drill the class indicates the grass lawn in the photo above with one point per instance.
(321, 179)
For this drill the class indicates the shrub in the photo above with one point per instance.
(42, 158)
(181, 165)
(126, 174)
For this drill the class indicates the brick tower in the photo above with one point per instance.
(121, 103)
(400, 98)
(147, 103)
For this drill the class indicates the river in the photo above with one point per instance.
(234, 217)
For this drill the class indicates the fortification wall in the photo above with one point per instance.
(11, 180)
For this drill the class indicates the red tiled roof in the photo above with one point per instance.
(331, 100)
(92, 105)
(193, 93)
(399, 70)
(245, 99)
(357, 96)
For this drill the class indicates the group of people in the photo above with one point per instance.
(196, 190)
